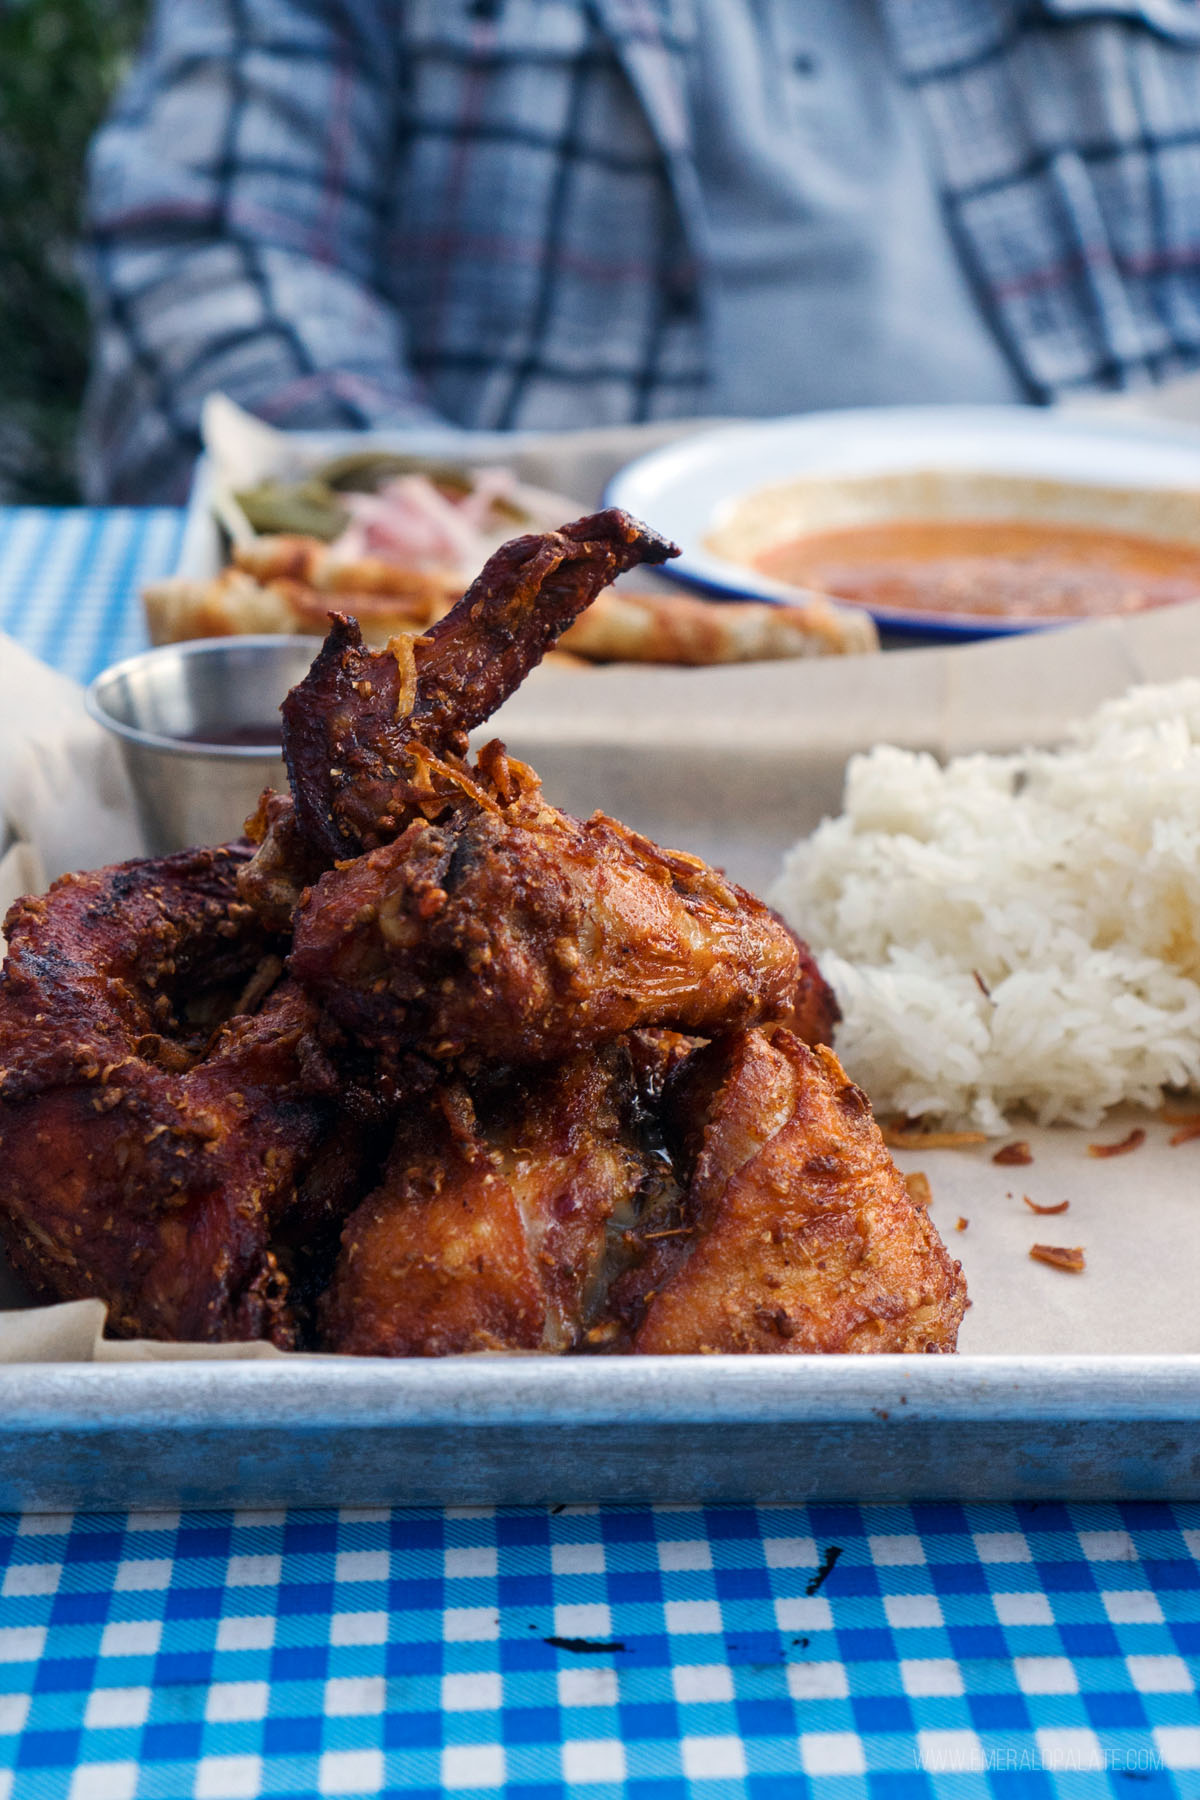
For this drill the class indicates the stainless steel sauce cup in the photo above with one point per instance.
(198, 726)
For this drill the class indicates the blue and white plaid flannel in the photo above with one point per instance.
(378, 212)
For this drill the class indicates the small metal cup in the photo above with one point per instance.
(178, 713)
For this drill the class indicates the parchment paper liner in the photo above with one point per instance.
(735, 763)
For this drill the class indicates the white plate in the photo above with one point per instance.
(689, 488)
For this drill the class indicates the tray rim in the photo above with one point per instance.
(481, 1392)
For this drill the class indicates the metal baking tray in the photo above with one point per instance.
(530, 1430)
(483, 1431)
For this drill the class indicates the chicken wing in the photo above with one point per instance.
(796, 1232)
(147, 1149)
(524, 936)
(368, 735)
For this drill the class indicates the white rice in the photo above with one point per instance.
(1064, 883)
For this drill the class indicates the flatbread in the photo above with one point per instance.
(291, 584)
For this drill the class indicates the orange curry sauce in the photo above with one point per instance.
(995, 568)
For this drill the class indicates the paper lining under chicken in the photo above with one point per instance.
(552, 1083)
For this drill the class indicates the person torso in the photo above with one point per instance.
(564, 249)
(830, 272)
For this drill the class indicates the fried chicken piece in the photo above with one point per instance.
(498, 1220)
(796, 1233)
(550, 1217)
(147, 1149)
(372, 739)
(494, 925)
(283, 865)
(523, 936)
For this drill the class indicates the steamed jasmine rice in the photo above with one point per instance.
(1013, 930)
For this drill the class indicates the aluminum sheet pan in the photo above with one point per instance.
(492, 1431)
(734, 765)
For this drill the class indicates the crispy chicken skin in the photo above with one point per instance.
(372, 738)
(523, 936)
(283, 864)
(483, 921)
(144, 1157)
(797, 1233)
(442, 1069)
(497, 1220)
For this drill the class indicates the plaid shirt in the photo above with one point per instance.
(380, 212)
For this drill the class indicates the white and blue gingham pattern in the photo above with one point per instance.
(600, 1653)
(654, 1654)
(70, 579)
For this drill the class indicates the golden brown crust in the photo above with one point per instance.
(800, 1235)
(143, 1157)
(520, 938)
(436, 1261)
(491, 1227)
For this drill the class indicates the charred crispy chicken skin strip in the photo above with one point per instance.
(145, 1156)
(522, 937)
(496, 1219)
(373, 738)
(796, 1232)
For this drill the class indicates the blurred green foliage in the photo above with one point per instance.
(60, 64)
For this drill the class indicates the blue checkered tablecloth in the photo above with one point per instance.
(610, 1653)
(651, 1654)
(69, 579)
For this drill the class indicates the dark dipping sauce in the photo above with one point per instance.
(990, 568)
(235, 737)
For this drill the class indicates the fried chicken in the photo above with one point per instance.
(524, 936)
(441, 1068)
(493, 925)
(146, 1149)
(552, 1216)
(795, 1232)
(373, 738)
(500, 1217)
